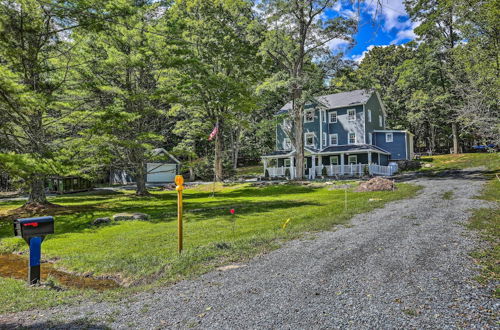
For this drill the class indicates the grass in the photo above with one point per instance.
(447, 195)
(141, 253)
(484, 220)
(461, 161)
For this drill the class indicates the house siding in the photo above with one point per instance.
(374, 105)
(343, 127)
(397, 148)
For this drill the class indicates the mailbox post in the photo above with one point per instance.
(33, 231)
(179, 181)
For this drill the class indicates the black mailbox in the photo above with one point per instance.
(34, 230)
(33, 227)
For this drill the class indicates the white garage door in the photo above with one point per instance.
(158, 172)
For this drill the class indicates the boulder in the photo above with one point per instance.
(130, 216)
(376, 184)
(100, 221)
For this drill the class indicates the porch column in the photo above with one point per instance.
(292, 169)
(342, 156)
(265, 165)
(320, 161)
(369, 157)
(313, 167)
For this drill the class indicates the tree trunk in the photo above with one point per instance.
(140, 181)
(218, 156)
(37, 192)
(235, 141)
(191, 170)
(299, 142)
(455, 137)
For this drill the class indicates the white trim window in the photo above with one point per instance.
(380, 121)
(309, 139)
(309, 116)
(287, 144)
(352, 138)
(324, 139)
(334, 160)
(332, 117)
(352, 159)
(351, 114)
(334, 139)
(389, 137)
(324, 115)
(286, 162)
(369, 116)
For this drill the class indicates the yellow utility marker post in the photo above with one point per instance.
(179, 181)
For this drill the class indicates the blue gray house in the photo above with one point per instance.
(344, 133)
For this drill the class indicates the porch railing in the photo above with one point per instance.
(336, 170)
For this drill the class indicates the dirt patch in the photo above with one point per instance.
(376, 184)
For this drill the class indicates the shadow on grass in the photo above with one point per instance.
(84, 323)
(194, 211)
(477, 175)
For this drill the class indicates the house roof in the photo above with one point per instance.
(353, 148)
(329, 150)
(161, 151)
(337, 100)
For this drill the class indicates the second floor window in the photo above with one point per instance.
(309, 139)
(369, 116)
(309, 116)
(332, 117)
(380, 121)
(352, 138)
(388, 137)
(334, 139)
(351, 114)
(287, 144)
(324, 140)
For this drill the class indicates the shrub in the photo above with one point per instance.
(287, 173)
(266, 174)
(204, 169)
(405, 165)
(324, 172)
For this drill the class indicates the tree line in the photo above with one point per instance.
(86, 85)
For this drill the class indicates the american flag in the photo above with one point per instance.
(214, 132)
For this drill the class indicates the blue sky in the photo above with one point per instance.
(377, 26)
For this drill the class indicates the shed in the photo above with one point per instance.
(162, 168)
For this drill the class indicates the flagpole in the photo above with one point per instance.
(215, 156)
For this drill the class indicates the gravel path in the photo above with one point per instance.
(402, 266)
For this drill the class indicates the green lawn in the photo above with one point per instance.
(140, 252)
(486, 221)
(460, 161)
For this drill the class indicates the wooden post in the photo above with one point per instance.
(179, 181)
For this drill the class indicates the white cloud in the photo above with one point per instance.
(406, 34)
(392, 12)
(344, 9)
(359, 57)
(338, 44)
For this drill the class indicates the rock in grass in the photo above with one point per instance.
(141, 216)
(130, 216)
(100, 221)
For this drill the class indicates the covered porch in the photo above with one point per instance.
(330, 163)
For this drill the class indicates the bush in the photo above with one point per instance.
(266, 174)
(324, 172)
(204, 169)
(406, 165)
(287, 173)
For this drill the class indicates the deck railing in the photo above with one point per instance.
(336, 170)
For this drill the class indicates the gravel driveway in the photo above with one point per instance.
(402, 266)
